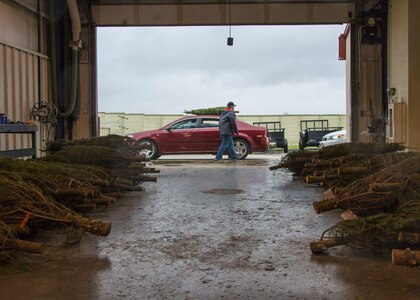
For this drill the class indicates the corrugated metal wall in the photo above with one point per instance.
(370, 106)
(21, 86)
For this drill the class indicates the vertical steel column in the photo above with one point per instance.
(354, 84)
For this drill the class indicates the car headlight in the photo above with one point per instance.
(130, 135)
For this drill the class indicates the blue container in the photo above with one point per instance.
(3, 119)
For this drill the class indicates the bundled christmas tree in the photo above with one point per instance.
(207, 111)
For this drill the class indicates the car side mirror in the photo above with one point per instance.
(168, 128)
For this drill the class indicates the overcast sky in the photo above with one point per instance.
(268, 70)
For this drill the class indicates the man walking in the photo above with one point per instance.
(227, 126)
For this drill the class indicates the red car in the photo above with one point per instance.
(199, 135)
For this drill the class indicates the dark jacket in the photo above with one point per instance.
(227, 123)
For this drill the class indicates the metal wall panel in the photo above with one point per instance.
(19, 86)
(19, 23)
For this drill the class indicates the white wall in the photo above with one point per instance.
(121, 123)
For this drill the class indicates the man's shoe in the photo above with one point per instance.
(217, 159)
(232, 159)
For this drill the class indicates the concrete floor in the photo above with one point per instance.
(210, 230)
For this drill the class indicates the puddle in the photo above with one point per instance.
(223, 191)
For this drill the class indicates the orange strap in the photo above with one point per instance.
(25, 220)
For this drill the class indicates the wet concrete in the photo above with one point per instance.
(210, 230)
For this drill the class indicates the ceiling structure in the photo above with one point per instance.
(222, 12)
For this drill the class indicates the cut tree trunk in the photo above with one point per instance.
(123, 181)
(322, 245)
(26, 246)
(316, 179)
(98, 181)
(406, 257)
(384, 187)
(321, 163)
(325, 205)
(358, 203)
(151, 170)
(144, 178)
(73, 193)
(115, 195)
(329, 194)
(87, 207)
(104, 200)
(92, 226)
(126, 187)
(412, 238)
(279, 166)
(309, 165)
(353, 170)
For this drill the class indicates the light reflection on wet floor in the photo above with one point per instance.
(212, 230)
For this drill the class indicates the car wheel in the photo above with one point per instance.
(242, 148)
(150, 149)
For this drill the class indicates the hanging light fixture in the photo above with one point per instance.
(230, 38)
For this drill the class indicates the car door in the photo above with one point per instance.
(207, 134)
(180, 137)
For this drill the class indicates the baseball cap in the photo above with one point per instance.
(230, 103)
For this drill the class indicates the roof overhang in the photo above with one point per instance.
(221, 12)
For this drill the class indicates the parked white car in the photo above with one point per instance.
(333, 138)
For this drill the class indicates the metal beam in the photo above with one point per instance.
(197, 13)
(200, 2)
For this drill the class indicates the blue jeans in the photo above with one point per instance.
(227, 142)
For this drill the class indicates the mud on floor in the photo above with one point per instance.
(210, 230)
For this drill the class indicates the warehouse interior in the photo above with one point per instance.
(48, 61)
